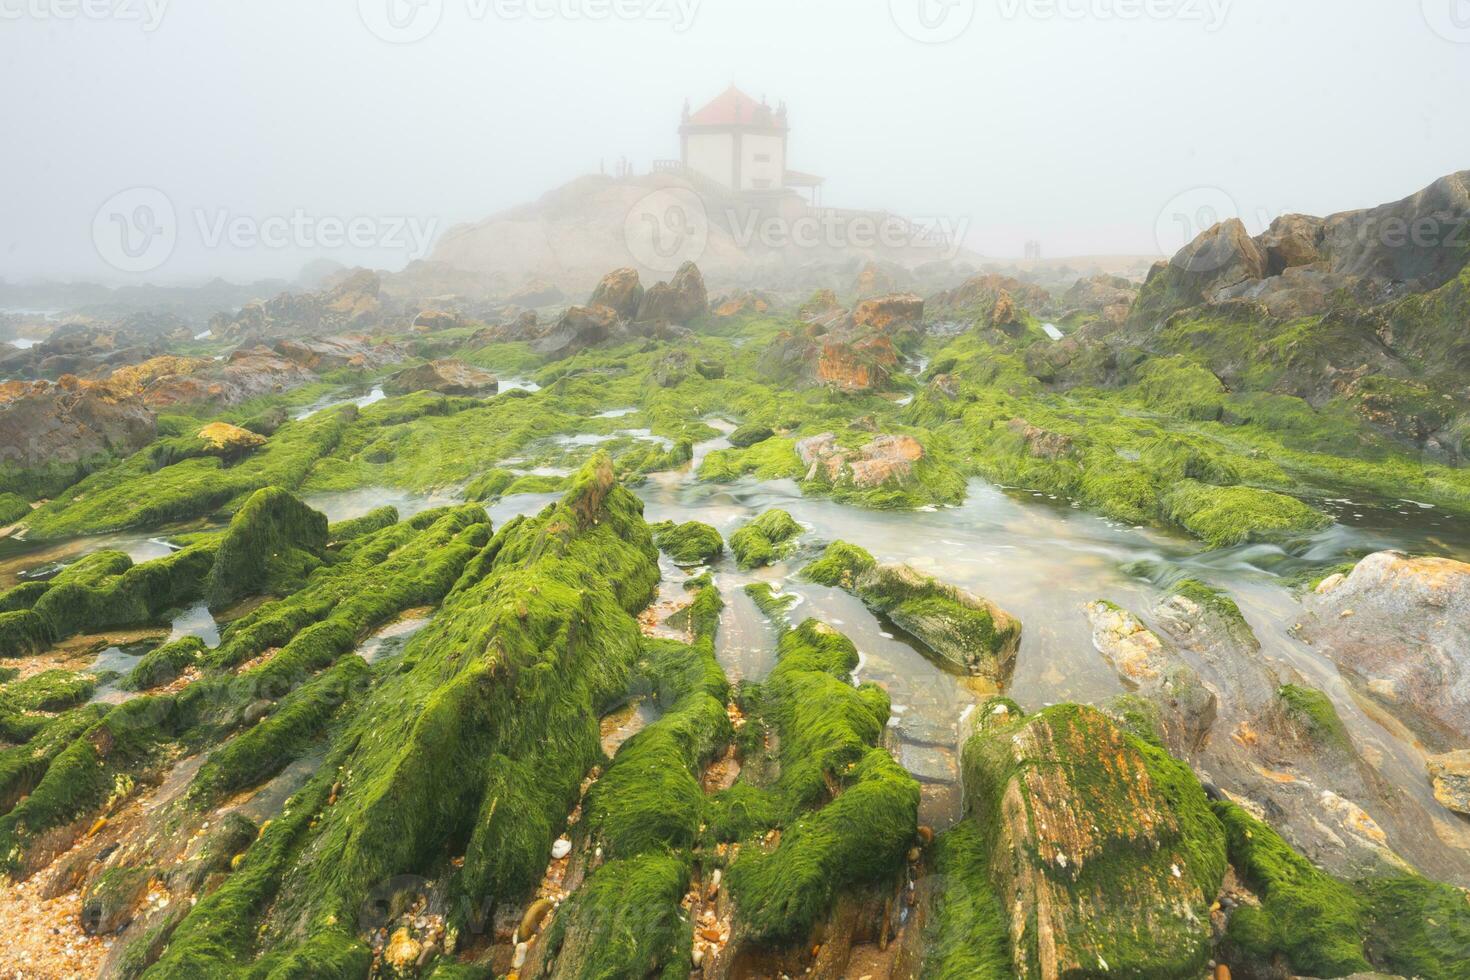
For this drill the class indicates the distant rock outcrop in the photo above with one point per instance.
(352, 304)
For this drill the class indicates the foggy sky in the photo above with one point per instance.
(1067, 122)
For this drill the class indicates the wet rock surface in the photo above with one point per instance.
(1399, 630)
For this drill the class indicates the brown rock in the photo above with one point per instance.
(888, 458)
(889, 312)
(69, 421)
(429, 321)
(229, 440)
(679, 300)
(1451, 776)
(578, 328)
(447, 377)
(744, 302)
(1398, 629)
(619, 291)
(1291, 241)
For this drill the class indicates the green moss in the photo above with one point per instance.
(138, 494)
(50, 690)
(13, 507)
(1417, 928)
(481, 735)
(691, 543)
(765, 539)
(106, 591)
(770, 459)
(702, 616)
(966, 935)
(840, 565)
(625, 921)
(1223, 516)
(272, 543)
(353, 528)
(1305, 915)
(267, 747)
(773, 605)
(749, 434)
(829, 736)
(1313, 713)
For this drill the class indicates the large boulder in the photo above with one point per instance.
(979, 294)
(890, 313)
(620, 291)
(447, 377)
(1292, 240)
(1220, 261)
(579, 328)
(69, 421)
(877, 278)
(679, 300)
(1102, 850)
(1398, 629)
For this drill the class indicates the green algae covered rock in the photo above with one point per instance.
(13, 507)
(356, 527)
(847, 809)
(645, 813)
(105, 590)
(764, 540)
(1101, 848)
(1223, 516)
(273, 541)
(840, 565)
(968, 632)
(1305, 915)
(691, 543)
(749, 434)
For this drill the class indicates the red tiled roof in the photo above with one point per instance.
(733, 107)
